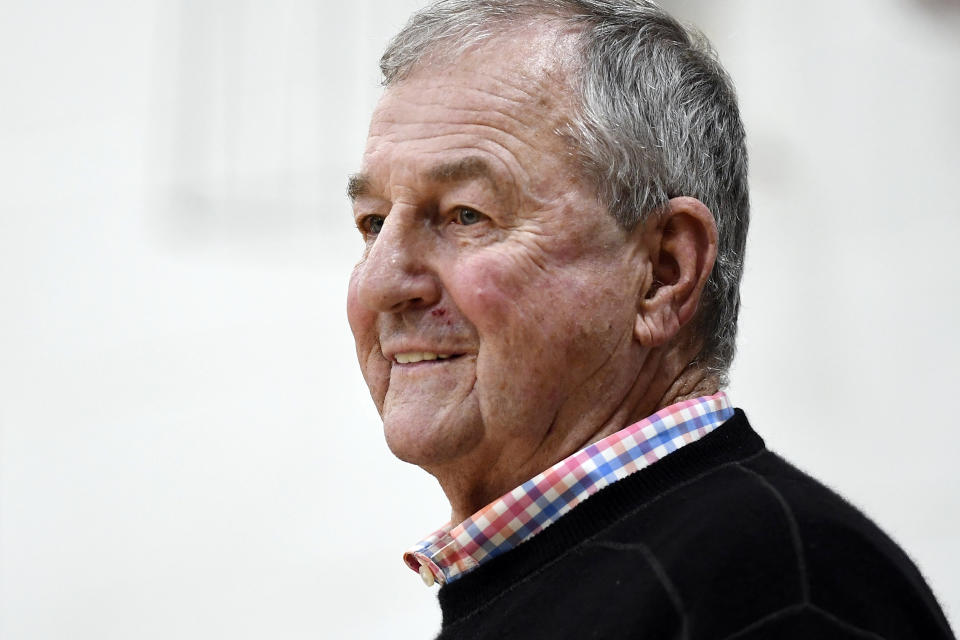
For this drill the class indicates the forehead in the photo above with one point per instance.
(501, 104)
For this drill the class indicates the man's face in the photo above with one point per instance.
(489, 256)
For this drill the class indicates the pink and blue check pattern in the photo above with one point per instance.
(514, 518)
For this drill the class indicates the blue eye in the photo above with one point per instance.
(371, 225)
(467, 216)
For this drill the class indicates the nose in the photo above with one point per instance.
(396, 274)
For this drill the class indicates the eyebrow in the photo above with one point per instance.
(461, 170)
(358, 185)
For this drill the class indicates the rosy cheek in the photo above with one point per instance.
(478, 290)
(507, 301)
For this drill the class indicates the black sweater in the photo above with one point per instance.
(721, 539)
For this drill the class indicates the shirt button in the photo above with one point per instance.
(426, 575)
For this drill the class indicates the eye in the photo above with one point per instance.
(370, 225)
(467, 216)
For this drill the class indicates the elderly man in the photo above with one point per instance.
(553, 199)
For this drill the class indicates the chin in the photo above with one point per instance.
(429, 443)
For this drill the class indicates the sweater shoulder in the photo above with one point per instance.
(723, 544)
(707, 543)
(757, 536)
(852, 569)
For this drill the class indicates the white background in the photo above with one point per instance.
(187, 449)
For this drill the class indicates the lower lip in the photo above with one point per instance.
(426, 362)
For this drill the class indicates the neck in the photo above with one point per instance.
(691, 381)
(666, 378)
(663, 377)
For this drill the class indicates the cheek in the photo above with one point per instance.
(572, 311)
(486, 292)
(512, 303)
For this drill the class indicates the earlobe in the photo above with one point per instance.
(682, 251)
(655, 325)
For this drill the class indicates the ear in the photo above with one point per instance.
(682, 247)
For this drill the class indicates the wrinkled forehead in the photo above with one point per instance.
(508, 98)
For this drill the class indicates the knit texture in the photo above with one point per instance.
(719, 540)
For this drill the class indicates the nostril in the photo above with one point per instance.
(407, 303)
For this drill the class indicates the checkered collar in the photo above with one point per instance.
(454, 550)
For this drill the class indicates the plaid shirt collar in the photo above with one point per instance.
(452, 551)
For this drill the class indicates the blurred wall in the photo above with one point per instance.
(187, 448)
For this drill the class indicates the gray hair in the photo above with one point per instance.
(657, 118)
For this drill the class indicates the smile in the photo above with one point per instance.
(418, 356)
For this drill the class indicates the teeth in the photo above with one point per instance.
(417, 356)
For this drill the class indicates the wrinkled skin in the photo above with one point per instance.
(484, 243)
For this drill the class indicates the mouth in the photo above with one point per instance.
(413, 357)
